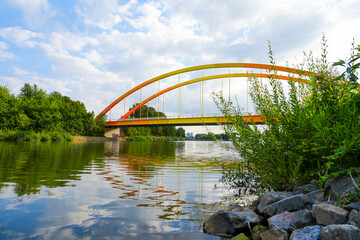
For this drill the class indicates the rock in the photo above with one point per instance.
(354, 218)
(219, 224)
(326, 214)
(316, 196)
(281, 220)
(302, 219)
(352, 206)
(257, 230)
(225, 223)
(341, 187)
(274, 234)
(292, 220)
(292, 203)
(340, 232)
(306, 233)
(304, 189)
(243, 218)
(272, 197)
(240, 236)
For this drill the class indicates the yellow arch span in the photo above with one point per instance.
(258, 75)
(203, 67)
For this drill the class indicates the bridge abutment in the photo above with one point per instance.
(114, 132)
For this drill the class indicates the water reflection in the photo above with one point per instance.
(30, 165)
(122, 190)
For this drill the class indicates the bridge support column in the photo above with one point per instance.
(114, 132)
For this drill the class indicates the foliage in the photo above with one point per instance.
(34, 111)
(304, 126)
(30, 135)
(211, 137)
(150, 112)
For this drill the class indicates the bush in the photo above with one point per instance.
(303, 130)
(42, 136)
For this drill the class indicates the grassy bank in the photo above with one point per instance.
(19, 135)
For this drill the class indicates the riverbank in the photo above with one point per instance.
(308, 212)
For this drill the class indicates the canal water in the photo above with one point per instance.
(109, 190)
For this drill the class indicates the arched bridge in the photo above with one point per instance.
(248, 70)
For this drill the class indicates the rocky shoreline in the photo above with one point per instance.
(306, 213)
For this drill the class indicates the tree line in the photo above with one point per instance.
(34, 110)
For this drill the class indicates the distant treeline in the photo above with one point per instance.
(211, 137)
(150, 112)
(36, 113)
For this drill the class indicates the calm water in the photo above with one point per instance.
(108, 190)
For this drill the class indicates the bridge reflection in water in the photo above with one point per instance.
(152, 173)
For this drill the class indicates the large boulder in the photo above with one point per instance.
(306, 233)
(292, 220)
(281, 220)
(272, 197)
(340, 232)
(226, 223)
(292, 203)
(274, 234)
(241, 219)
(351, 206)
(302, 219)
(341, 187)
(219, 224)
(326, 214)
(354, 218)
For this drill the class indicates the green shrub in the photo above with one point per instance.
(304, 128)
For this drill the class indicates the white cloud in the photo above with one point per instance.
(22, 37)
(68, 41)
(23, 76)
(35, 12)
(103, 14)
(4, 55)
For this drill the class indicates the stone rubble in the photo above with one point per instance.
(303, 214)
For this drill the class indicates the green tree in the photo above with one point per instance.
(149, 112)
(180, 132)
(36, 111)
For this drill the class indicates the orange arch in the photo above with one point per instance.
(202, 67)
(258, 75)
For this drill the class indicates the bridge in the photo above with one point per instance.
(236, 71)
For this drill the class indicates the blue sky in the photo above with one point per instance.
(95, 50)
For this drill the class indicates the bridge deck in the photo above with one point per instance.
(194, 121)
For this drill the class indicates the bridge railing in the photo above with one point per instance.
(174, 117)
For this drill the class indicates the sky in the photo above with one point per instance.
(96, 50)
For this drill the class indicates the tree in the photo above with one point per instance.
(35, 110)
(150, 112)
(180, 132)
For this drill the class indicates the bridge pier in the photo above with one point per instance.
(113, 132)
